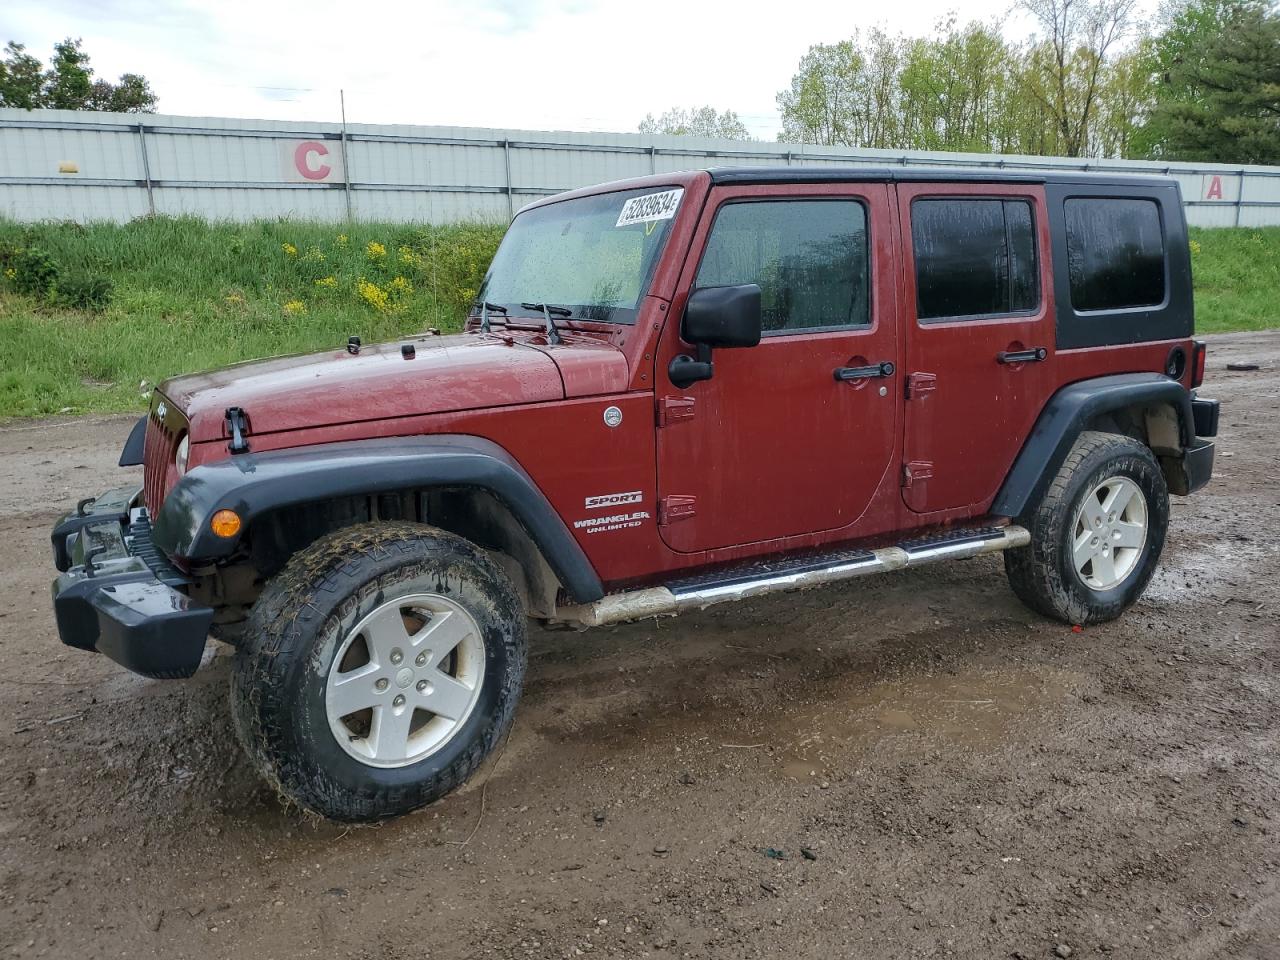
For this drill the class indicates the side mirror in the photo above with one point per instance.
(715, 317)
(723, 316)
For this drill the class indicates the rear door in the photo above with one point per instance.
(980, 336)
(774, 445)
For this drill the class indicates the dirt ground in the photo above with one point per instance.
(943, 773)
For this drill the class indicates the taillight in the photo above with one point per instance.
(1197, 362)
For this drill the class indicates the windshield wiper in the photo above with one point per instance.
(553, 335)
(485, 308)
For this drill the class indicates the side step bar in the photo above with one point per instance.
(753, 580)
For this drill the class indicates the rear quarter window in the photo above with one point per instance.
(1121, 262)
(1115, 253)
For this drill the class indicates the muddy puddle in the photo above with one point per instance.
(971, 711)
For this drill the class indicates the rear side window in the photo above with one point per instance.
(808, 256)
(974, 258)
(1115, 253)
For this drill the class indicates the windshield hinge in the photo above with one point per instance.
(673, 409)
(238, 427)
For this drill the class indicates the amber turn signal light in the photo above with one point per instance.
(225, 523)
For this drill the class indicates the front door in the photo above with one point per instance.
(980, 336)
(795, 435)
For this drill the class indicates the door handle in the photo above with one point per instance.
(884, 369)
(1034, 355)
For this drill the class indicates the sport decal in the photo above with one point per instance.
(614, 499)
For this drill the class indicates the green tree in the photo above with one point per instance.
(1066, 67)
(847, 94)
(821, 103)
(21, 78)
(1217, 94)
(955, 88)
(697, 122)
(69, 80)
(68, 83)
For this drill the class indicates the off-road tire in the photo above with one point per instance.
(295, 629)
(1043, 573)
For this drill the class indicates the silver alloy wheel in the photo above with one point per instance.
(405, 680)
(1109, 533)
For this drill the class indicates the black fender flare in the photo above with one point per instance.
(131, 454)
(1067, 413)
(253, 484)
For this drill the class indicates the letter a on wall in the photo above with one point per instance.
(1220, 186)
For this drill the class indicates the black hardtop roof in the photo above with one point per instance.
(834, 174)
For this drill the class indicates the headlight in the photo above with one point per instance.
(180, 460)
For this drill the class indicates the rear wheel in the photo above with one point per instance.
(379, 669)
(1096, 534)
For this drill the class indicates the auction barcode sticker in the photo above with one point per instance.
(651, 206)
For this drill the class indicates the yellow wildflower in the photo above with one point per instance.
(1195, 246)
(375, 250)
(289, 249)
(235, 297)
(342, 239)
(402, 286)
(372, 294)
(314, 255)
(294, 307)
(10, 273)
(327, 282)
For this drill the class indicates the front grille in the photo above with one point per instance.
(159, 446)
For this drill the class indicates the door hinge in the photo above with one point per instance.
(919, 384)
(673, 409)
(671, 509)
(916, 471)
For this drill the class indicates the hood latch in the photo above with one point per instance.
(238, 425)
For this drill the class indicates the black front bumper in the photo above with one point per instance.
(119, 595)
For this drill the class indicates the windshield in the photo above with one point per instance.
(594, 256)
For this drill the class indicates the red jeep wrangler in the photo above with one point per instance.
(671, 392)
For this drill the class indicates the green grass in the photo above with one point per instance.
(189, 295)
(1237, 278)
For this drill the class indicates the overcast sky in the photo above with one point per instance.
(533, 64)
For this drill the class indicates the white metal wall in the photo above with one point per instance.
(72, 165)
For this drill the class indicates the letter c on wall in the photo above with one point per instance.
(302, 159)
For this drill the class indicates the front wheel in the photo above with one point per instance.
(1096, 534)
(379, 669)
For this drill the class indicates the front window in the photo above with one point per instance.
(593, 256)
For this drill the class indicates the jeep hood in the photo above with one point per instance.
(462, 372)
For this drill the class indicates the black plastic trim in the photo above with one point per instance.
(1205, 413)
(834, 174)
(253, 484)
(1197, 464)
(131, 455)
(1066, 415)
